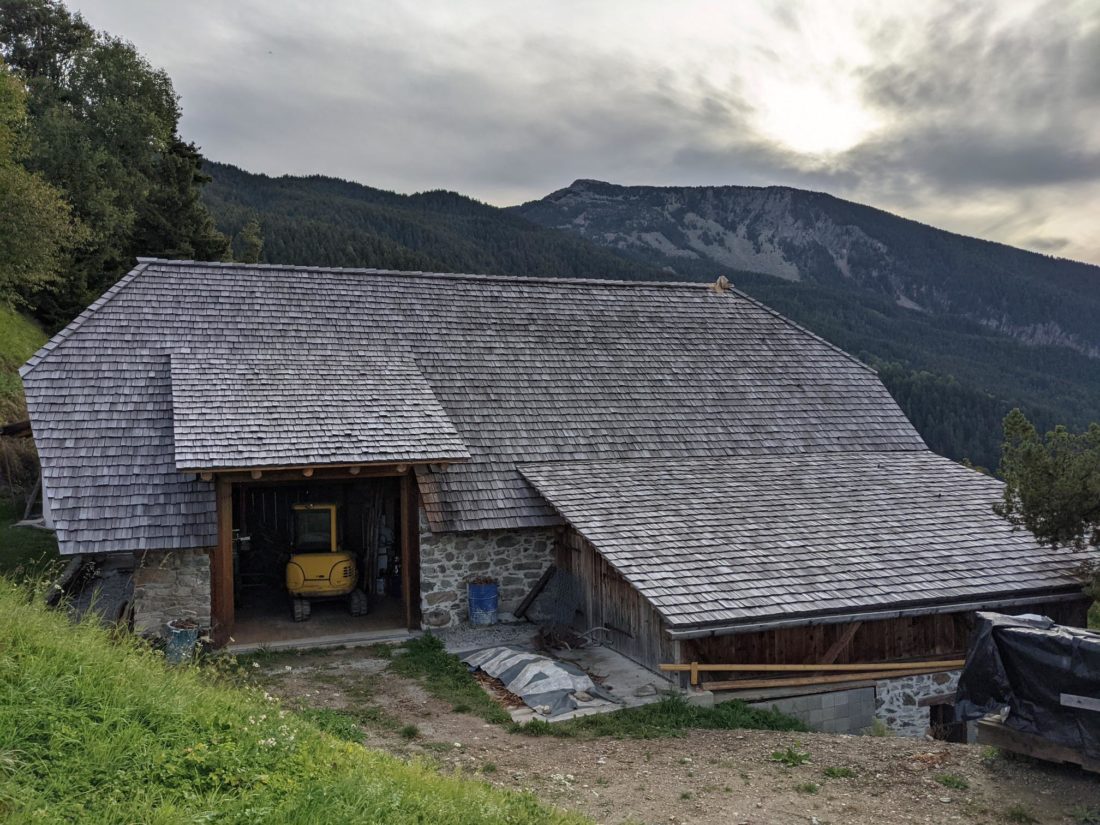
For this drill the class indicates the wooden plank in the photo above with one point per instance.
(410, 550)
(1071, 700)
(221, 566)
(947, 664)
(838, 647)
(1000, 736)
(755, 684)
(533, 594)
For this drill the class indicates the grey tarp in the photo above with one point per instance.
(546, 685)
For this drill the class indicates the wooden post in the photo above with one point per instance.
(694, 673)
(221, 566)
(410, 550)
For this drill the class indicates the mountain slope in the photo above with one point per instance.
(813, 237)
(319, 221)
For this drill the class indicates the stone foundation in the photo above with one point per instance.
(898, 701)
(173, 584)
(515, 558)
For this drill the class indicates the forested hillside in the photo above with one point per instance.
(328, 222)
(955, 378)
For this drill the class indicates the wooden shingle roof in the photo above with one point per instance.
(756, 538)
(524, 370)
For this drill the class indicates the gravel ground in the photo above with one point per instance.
(705, 777)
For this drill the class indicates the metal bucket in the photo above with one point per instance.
(181, 640)
(483, 601)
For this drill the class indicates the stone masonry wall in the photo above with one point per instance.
(171, 585)
(515, 558)
(897, 701)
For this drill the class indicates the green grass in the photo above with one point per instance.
(1094, 616)
(807, 787)
(671, 716)
(24, 552)
(445, 678)
(94, 728)
(839, 773)
(20, 337)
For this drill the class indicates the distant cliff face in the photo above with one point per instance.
(809, 236)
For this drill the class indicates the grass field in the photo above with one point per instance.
(96, 729)
(20, 337)
(24, 552)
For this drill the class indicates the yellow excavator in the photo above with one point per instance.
(318, 568)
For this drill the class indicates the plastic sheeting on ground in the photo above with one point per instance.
(1046, 675)
(548, 686)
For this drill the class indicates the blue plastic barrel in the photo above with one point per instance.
(182, 638)
(483, 601)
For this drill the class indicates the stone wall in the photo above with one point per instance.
(898, 701)
(515, 558)
(171, 585)
(836, 711)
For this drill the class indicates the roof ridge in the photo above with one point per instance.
(467, 276)
(79, 321)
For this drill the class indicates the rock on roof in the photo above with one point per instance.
(764, 537)
(525, 370)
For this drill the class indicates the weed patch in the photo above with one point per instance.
(446, 678)
(672, 716)
(791, 756)
(950, 780)
(334, 722)
(1020, 815)
(839, 773)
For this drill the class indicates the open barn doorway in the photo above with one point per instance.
(351, 527)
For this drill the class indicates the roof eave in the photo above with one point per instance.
(994, 601)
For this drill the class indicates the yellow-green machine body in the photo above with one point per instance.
(318, 568)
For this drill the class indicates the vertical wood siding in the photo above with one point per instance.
(634, 628)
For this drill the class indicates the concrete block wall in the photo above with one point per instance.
(171, 585)
(515, 558)
(837, 711)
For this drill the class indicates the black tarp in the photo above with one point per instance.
(1041, 672)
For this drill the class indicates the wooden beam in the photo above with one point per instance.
(839, 646)
(533, 594)
(945, 664)
(410, 550)
(756, 684)
(319, 473)
(221, 567)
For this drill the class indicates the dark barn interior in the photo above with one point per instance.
(368, 527)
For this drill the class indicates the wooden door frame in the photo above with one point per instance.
(222, 613)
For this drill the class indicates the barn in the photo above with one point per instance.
(711, 483)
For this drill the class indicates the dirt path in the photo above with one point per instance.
(719, 777)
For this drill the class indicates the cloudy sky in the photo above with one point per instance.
(980, 117)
